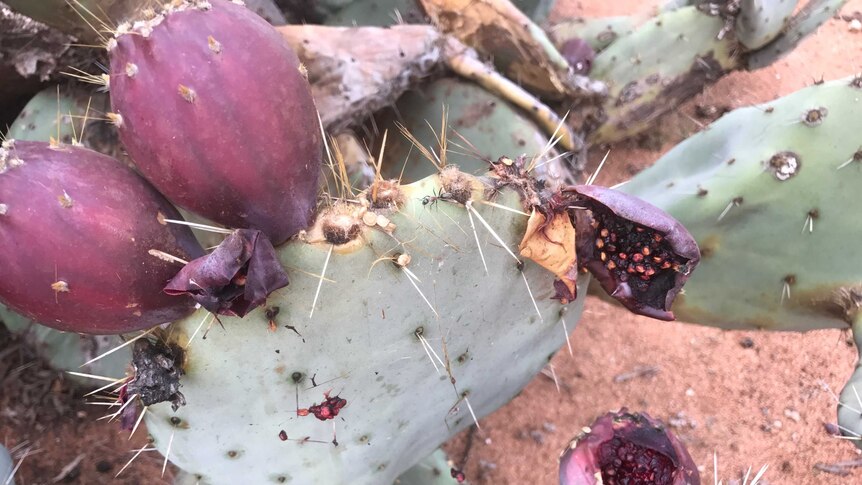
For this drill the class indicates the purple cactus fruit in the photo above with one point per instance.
(213, 108)
(627, 448)
(638, 253)
(579, 54)
(76, 231)
(235, 278)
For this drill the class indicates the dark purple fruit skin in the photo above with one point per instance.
(98, 245)
(581, 460)
(640, 212)
(246, 150)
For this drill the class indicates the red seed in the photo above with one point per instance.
(640, 268)
(646, 250)
(637, 257)
(600, 244)
(623, 256)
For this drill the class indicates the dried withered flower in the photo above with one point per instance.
(235, 278)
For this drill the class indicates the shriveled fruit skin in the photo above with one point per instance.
(76, 228)
(217, 115)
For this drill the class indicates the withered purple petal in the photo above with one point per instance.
(235, 278)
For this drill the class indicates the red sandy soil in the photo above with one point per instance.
(753, 398)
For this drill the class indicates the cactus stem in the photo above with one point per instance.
(320, 283)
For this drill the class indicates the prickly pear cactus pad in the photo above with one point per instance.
(760, 21)
(662, 63)
(69, 351)
(404, 321)
(488, 122)
(771, 194)
(850, 401)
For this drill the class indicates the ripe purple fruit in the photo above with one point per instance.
(212, 107)
(626, 448)
(76, 229)
(638, 253)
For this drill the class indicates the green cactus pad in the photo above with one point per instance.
(598, 32)
(491, 125)
(808, 19)
(760, 21)
(378, 13)
(658, 66)
(382, 13)
(66, 351)
(362, 343)
(771, 193)
(434, 470)
(52, 113)
(850, 400)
